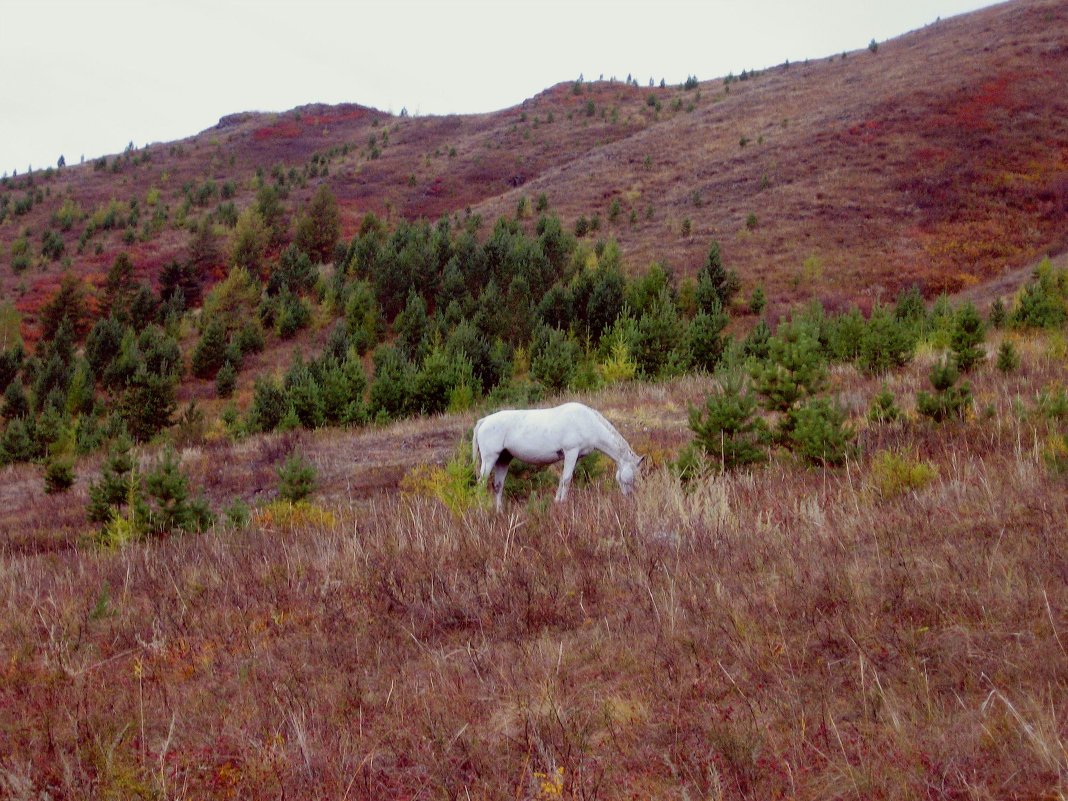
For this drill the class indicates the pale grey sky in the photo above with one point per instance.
(85, 77)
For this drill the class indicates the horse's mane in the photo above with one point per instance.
(620, 439)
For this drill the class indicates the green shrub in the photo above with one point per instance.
(226, 380)
(948, 400)
(169, 507)
(884, 408)
(894, 474)
(555, 356)
(886, 343)
(819, 432)
(296, 479)
(1008, 360)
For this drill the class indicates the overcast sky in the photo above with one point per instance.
(85, 77)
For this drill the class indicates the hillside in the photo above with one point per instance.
(940, 159)
(243, 553)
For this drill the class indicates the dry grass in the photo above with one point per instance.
(784, 633)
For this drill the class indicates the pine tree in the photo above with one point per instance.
(119, 287)
(296, 479)
(967, 337)
(727, 429)
(884, 408)
(16, 443)
(1008, 359)
(819, 432)
(226, 380)
(210, 351)
(112, 489)
(948, 400)
(319, 227)
(167, 499)
(887, 342)
(715, 282)
(703, 340)
(793, 370)
(269, 405)
(998, 314)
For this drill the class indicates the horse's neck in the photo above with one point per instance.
(612, 443)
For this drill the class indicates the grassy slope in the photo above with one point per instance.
(786, 633)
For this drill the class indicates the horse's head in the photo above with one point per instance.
(627, 473)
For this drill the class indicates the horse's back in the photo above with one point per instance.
(539, 436)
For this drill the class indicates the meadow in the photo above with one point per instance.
(893, 628)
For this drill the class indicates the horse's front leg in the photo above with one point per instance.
(570, 460)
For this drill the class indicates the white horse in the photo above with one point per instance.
(545, 436)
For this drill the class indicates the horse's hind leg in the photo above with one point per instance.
(570, 460)
(500, 471)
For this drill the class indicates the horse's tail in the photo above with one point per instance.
(474, 447)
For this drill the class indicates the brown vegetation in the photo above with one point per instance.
(866, 632)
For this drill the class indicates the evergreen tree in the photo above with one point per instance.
(391, 387)
(819, 433)
(16, 401)
(16, 443)
(167, 498)
(10, 363)
(438, 378)
(948, 400)
(967, 337)
(660, 332)
(884, 408)
(112, 490)
(794, 368)
(886, 343)
(304, 395)
(296, 479)
(998, 315)
(269, 205)
(249, 244)
(68, 303)
(226, 380)
(410, 326)
(147, 403)
(143, 307)
(715, 282)
(756, 342)
(319, 226)
(1008, 359)
(203, 257)
(728, 430)
(210, 351)
(295, 272)
(120, 287)
(554, 358)
(269, 405)
(180, 284)
(703, 340)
